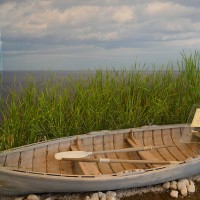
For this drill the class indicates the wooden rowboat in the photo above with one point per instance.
(34, 169)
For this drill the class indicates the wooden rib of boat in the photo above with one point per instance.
(34, 169)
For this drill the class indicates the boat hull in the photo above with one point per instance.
(17, 181)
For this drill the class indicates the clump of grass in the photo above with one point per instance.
(107, 100)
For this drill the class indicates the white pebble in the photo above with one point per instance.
(174, 193)
(32, 197)
(103, 197)
(166, 185)
(100, 194)
(19, 198)
(181, 186)
(173, 185)
(87, 198)
(94, 196)
(111, 193)
(191, 188)
(48, 198)
(191, 183)
(185, 181)
(110, 198)
(184, 192)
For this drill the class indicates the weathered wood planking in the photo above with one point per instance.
(167, 140)
(13, 160)
(147, 155)
(176, 137)
(138, 140)
(119, 144)
(87, 145)
(158, 140)
(65, 166)
(138, 135)
(26, 160)
(2, 160)
(108, 145)
(193, 146)
(40, 159)
(53, 165)
(149, 141)
(104, 168)
(83, 167)
(135, 155)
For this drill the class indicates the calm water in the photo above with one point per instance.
(8, 77)
(13, 78)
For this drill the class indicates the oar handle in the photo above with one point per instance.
(144, 148)
(107, 160)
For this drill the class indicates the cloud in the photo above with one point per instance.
(124, 14)
(34, 26)
(168, 9)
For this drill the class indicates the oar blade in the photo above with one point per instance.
(72, 154)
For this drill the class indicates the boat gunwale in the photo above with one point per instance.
(89, 135)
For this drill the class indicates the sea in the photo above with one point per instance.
(15, 78)
(11, 77)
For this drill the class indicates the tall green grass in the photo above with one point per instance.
(107, 100)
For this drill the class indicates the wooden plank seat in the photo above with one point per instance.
(65, 166)
(84, 168)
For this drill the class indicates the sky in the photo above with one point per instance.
(91, 34)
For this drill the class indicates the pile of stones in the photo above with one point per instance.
(29, 197)
(183, 186)
(110, 195)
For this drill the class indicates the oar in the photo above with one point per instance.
(83, 154)
(107, 160)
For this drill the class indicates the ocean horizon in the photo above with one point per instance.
(14, 78)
